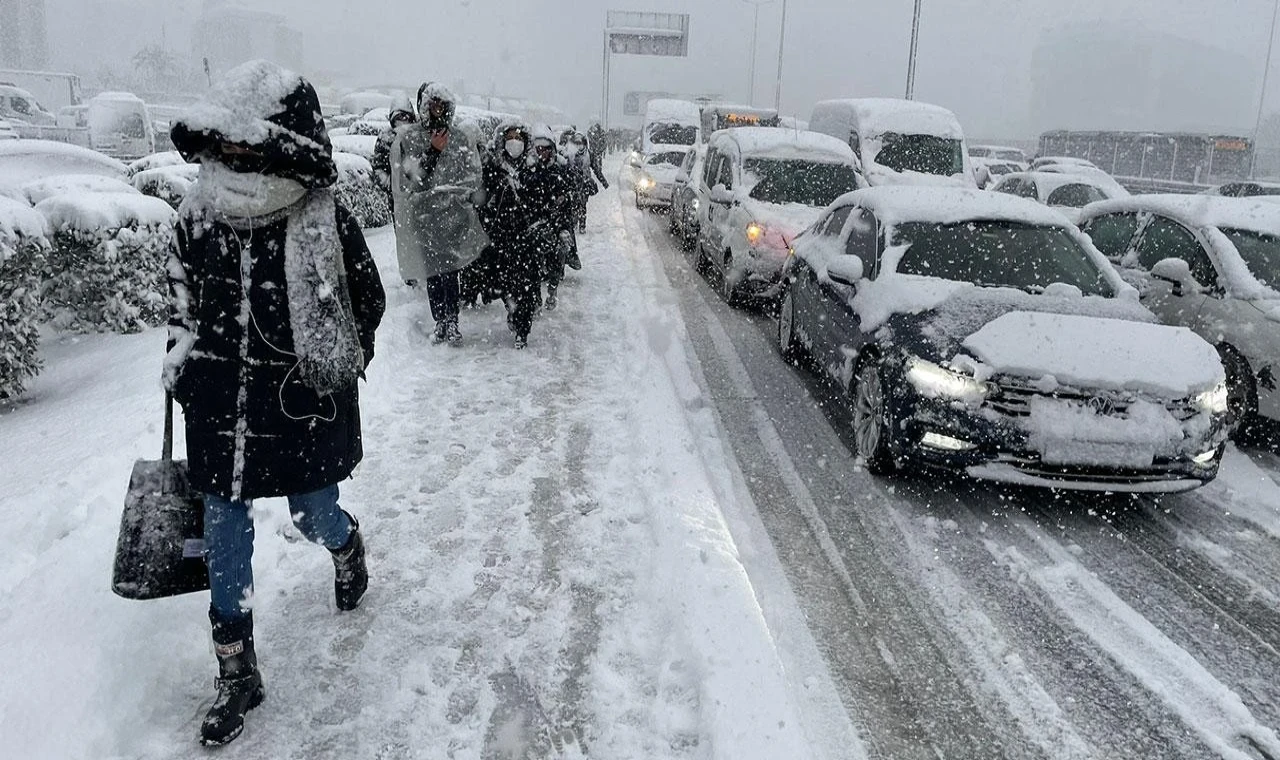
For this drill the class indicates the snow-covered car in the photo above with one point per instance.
(759, 189)
(657, 178)
(42, 189)
(999, 153)
(1043, 161)
(1247, 189)
(120, 125)
(22, 161)
(987, 171)
(1212, 265)
(981, 332)
(1068, 193)
(7, 132)
(1095, 176)
(898, 142)
(19, 105)
(683, 219)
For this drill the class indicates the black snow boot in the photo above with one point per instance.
(350, 575)
(239, 684)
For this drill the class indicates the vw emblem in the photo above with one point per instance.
(1102, 406)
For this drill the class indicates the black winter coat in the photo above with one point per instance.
(238, 386)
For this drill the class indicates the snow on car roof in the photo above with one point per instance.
(1200, 210)
(895, 205)
(776, 142)
(877, 116)
(666, 108)
(18, 218)
(24, 160)
(985, 146)
(120, 97)
(1047, 182)
(98, 211)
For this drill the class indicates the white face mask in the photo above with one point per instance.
(571, 150)
(515, 148)
(241, 194)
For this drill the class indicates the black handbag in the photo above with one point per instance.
(160, 550)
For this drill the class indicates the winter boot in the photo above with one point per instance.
(441, 334)
(239, 684)
(350, 575)
(552, 301)
(522, 341)
(452, 333)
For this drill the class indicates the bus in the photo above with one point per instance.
(717, 116)
(1183, 157)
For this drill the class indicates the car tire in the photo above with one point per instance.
(789, 345)
(702, 263)
(1242, 395)
(873, 418)
(671, 223)
(727, 289)
(688, 239)
(638, 202)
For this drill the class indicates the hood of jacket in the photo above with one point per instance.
(270, 109)
(435, 91)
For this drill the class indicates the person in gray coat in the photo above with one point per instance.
(437, 184)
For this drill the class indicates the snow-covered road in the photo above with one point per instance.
(643, 537)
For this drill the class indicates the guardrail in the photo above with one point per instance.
(1147, 185)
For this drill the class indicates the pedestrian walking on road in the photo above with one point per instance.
(402, 115)
(550, 189)
(512, 223)
(275, 300)
(437, 185)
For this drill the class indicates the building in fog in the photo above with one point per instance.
(228, 35)
(24, 38)
(1124, 76)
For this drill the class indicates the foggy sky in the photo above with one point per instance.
(975, 55)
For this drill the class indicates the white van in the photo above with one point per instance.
(120, 126)
(18, 105)
(898, 142)
(670, 125)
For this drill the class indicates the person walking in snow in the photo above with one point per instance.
(549, 186)
(402, 115)
(577, 153)
(275, 300)
(513, 227)
(437, 184)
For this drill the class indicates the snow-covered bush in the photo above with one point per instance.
(359, 192)
(107, 268)
(366, 128)
(41, 189)
(168, 183)
(360, 145)
(156, 161)
(23, 247)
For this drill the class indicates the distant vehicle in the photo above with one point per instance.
(987, 170)
(361, 103)
(18, 105)
(1202, 159)
(658, 178)
(999, 153)
(1042, 161)
(718, 116)
(670, 125)
(981, 333)
(1246, 189)
(54, 89)
(22, 161)
(1212, 265)
(898, 142)
(1095, 176)
(120, 126)
(759, 189)
(683, 218)
(6, 131)
(1068, 193)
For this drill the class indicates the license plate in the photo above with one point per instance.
(1097, 454)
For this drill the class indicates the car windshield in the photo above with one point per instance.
(999, 254)
(926, 154)
(673, 134)
(1261, 253)
(793, 181)
(1075, 196)
(1253, 191)
(669, 159)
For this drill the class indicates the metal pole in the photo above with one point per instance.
(1262, 96)
(755, 37)
(915, 44)
(604, 84)
(782, 38)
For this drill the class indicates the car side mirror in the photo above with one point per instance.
(1178, 272)
(845, 269)
(682, 178)
(723, 195)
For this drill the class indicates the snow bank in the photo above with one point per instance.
(168, 183)
(43, 189)
(23, 248)
(357, 190)
(1092, 352)
(359, 145)
(22, 161)
(106, 271)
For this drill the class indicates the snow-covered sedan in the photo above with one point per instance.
(981, 332)
(760, 187)
(1210, 264)
(683, 221)
(1068, 193)
(657, 178)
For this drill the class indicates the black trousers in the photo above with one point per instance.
(444, 296)
(521, 280)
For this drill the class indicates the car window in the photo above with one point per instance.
(1261, 253)
(862, 238)
(709, 168)
(1009, 186)
(835, 223)
(1231, 190)
(1075, 196)
(724, 175)
(1166, 239)
(1112, 233)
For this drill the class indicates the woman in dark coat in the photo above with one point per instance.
(275, 304)
(509, 220)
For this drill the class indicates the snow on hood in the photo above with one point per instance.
(1095, 352)
(41, 189)
(951, 205)
(786, 221)
(92, 212)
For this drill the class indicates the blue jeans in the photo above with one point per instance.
(228, 541)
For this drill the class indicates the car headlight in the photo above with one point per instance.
(646, 183)
(755, 233)
(693, 204)
(1214, 401)
(933, 381)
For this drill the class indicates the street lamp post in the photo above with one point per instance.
(1262, 96)
(782, 38)
(755, 37)
(915, 44)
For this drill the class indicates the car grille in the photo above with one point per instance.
(1014, 400)
(1160, 470)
